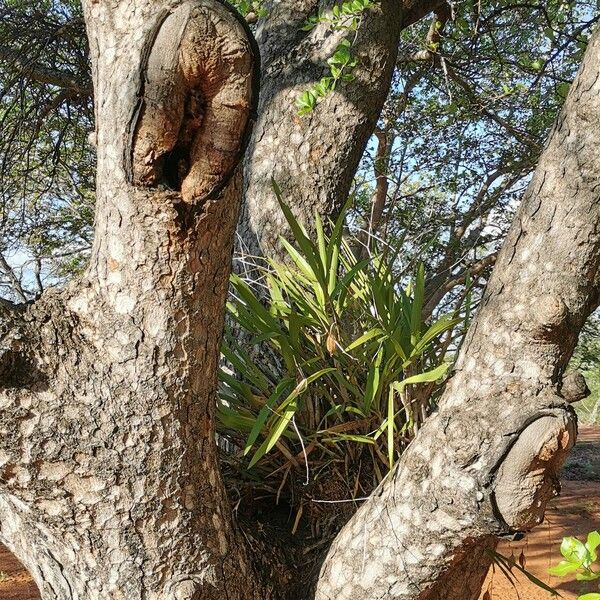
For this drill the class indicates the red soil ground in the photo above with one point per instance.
(15, 581)
(576, 512)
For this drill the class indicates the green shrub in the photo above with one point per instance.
(580, 558)
(333, 369)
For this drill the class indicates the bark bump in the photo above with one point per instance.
(551, 316)
(574, 387)
(198, 99)
(528, 476)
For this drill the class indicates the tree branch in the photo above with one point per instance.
(43, 74)
(502, 423)
(475, 269)
(293, 61)
(14, 281)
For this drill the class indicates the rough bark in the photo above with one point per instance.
(486, 463)
(314, 158)
(109, 480)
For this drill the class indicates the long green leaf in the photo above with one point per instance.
(390, 427)
(265, 412)
(289, 407)
(248, 296)
(426, 377)
(417, 304)
(364, 338)
(373, 379)
(440, 326)
(306, 246)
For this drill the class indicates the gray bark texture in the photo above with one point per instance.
(487, 462)
(110, 486)
(314, 158)
(109, 479)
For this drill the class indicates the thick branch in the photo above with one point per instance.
(42, 74)
(502, 422)
(314, 158)
(112, 452)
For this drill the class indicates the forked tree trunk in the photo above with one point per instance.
(110, 487)
(487, 462)
(109, 480)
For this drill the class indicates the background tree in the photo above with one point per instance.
(47, 164)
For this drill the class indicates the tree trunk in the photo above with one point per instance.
(314, 158)
(109, 478)
(110, 486)
(487, 462)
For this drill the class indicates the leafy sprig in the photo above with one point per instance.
(341, 65)
(249, 7)
(342, 17)
(579, 558)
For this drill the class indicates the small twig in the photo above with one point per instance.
(303, 450)
(340, 501)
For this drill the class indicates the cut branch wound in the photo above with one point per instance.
(528, 475)
(198, 99)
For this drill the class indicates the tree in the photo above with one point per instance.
(110, 486)
(481, 89)
(488, 461)
(112, 379)
(47, 166)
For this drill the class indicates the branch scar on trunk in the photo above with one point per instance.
(197, 102)
(528, 475)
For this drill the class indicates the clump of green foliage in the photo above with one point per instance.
(580, 558)
(251, 7)
(332, 367)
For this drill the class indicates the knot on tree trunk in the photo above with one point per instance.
(197, 101)
(574, 387)
(551, 316)
(186, 589)
(528, 476)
